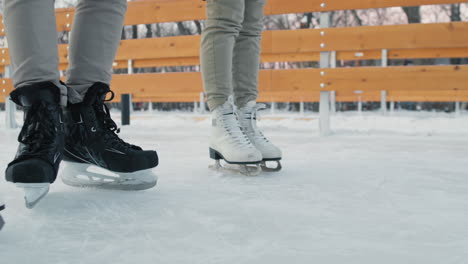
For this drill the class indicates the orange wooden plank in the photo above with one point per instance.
(158, 83)
(159, 11)
(153, 48)
(4, 56)
(150, 12)
(303, 81)
(295, 57)
(397, 78)
(441, 35)
(428, 53)
(433, 83)
(431, 53)
(308, 57)
(406, 41)
(368, 39)
(64, 17)
(6, 86)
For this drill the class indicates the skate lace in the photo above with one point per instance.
(39, 130)
(232, 127)
(252, 129)
(111, 130)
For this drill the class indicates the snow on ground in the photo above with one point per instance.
(390, 189)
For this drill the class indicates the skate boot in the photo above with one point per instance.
(248, 120)
(40, 151)
(229, 143)
(95, 155)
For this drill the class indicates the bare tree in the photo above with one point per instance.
(413, 13)
(198, 26)
(455, 12)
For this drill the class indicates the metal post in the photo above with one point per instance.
(392, 106)
(359, 106)
(324, 114)
(333, 59)
(10, 115)
(130, 71)
(150, 107)
(333, 102)
(202, 103)
(383, 98)
(273, 108)
(324, 124)
(383, 102)
(195, 107)
(126, 102)
(333, 93)
(130, 67)
(10, 107)
(384, 58)
(301, 108)
(457, 108)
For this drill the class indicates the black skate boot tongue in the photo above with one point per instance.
(39, 92)
(96, 97)
(96, 94)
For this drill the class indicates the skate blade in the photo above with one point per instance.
(90, 176)
(243, 169)
(33, 192)
(265, 168)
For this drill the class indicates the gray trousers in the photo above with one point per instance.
(94, 39)
(230, 50)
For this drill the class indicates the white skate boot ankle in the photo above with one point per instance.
(228, 142)
(248, 120)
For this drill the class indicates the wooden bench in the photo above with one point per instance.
(412, 83)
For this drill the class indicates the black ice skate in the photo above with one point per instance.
(41, 141)
(92, 143)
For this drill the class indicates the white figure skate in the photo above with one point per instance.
(248, 120)
(230, 144)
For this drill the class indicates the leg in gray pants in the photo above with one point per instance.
(84, 134)
(230, 50)
(32, 41)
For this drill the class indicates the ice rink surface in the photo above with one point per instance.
(390, 189)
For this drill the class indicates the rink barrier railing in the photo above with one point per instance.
(302, 46)
(345, 43)
(442, 40)
(327, 45)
